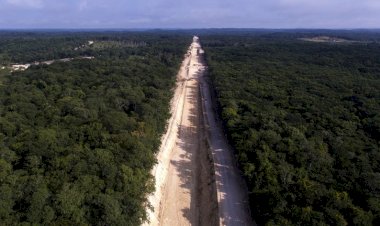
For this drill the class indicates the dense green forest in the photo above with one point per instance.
(304, 120)
(77, 139)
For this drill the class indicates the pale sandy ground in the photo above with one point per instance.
(185, 183)
(185, 193)
(23, 67)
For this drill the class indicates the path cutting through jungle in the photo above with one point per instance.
(196, 179)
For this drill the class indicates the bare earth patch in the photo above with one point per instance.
(196, 179)
(327, 39)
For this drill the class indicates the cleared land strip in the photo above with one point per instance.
(232, 194)
(188, 191)
(184, 194)
(231, 190)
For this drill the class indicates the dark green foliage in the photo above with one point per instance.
(304, 119)
(78, 138)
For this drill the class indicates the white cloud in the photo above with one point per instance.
(83, 4)
(200, 13)
(26, 3)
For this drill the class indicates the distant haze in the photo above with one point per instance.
(189, 13)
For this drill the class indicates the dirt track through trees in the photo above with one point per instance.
(187, 190)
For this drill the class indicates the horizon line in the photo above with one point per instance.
(195, 28)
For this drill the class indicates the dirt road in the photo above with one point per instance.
(185, 193)
(231, 190)
(187, 190)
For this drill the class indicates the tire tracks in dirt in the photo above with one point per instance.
(196, 179)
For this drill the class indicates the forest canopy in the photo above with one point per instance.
(77, 139)
(304, 120)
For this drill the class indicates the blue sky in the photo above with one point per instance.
(189, 13)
